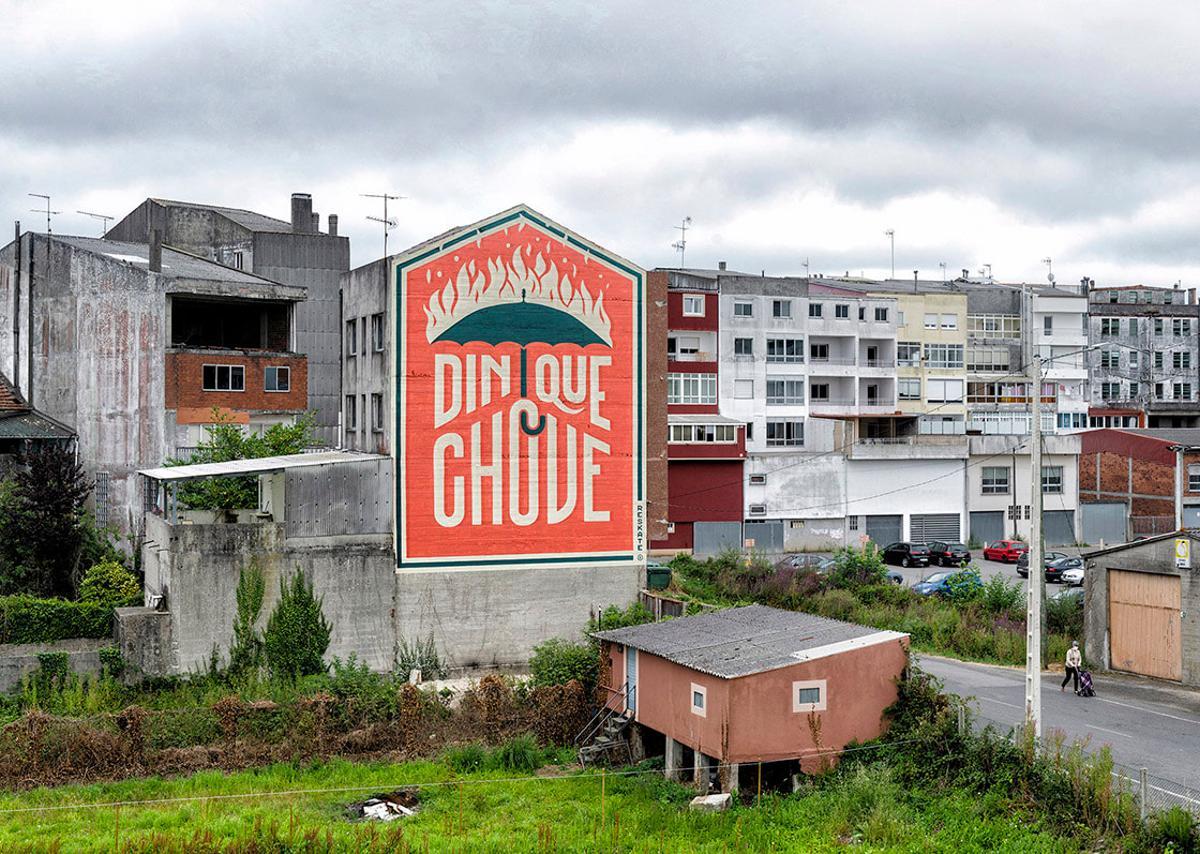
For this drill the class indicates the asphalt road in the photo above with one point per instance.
(1146, 724)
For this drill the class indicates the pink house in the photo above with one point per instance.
(724, 691)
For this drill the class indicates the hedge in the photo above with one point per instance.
(27, 619)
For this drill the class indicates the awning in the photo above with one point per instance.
(261, 465)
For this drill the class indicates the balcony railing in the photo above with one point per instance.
(831, 401)
(879, 363)
(698, 356)
(832, 360)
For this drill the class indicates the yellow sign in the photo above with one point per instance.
(1183, 553)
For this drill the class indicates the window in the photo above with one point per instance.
(900, 321)
(1158, 359)
(995, 480)
(672, 347)
(994, 325)
(819, 391)
(695, 389)
(1158, 391)
(758, 510)
(699, 700)
(1112, 296)
(239, 261)
(1047, 325)
(841, 311)
(351, 412)
(1133, 324)
(743, 346)
(785, 434)
(1133, 391)
(1181, 359)
(351, 337)
(987, 359)
(1110, 391)
(808, 696)
(785, 392)
(1193, 478)
(377, 412)
(743, 389)
(758, 480)
(224, 378)
(908, 388)
(943, 391)
(743, 309)
(1181, 326)
(1158, 326)
(749, 430)
(853, 523)
(1110, 359)
(1110, 326)
(277, 379)
(815, 309)
(1168, 297)
(1182, 391)
(943, 355)
(881, 315)
(377, 332)
(819, 352)
(1052, 479)
(908, 354)
(785, 349)
(949, 321)
(931, 321)
(862, 312)
(781, 308)
(685, 345)
(689, 433)
(363, 337)
(693, 305)
(1133, 358)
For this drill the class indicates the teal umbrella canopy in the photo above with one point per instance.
(520, 323)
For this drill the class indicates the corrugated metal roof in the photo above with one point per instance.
(260, 465)
(32, 425)
(741, 641)
(1173, 435)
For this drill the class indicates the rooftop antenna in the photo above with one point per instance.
(680, 245)
(942, 264)
(891, 235)
(806, 266)
(985, 270)
(387, 222)
(49, 213)
(1049, 270)
(104, 220)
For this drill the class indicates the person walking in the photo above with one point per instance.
(1074, 662)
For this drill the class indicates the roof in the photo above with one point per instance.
(175, 263)
(31, 424)
(1157, 538)
(751, 639)
(260, 465)
(246, 219)
(673, 418)
(10, 398)
(1171, 435)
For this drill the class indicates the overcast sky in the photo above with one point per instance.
(998, 133)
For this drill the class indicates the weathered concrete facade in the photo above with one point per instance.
(293, 252)
(368, 402)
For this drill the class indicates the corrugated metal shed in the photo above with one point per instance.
(261, 465)
(33, 425)
(741, 641)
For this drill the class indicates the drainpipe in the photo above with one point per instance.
(1178, 449)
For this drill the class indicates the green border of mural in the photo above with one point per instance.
(397, 337)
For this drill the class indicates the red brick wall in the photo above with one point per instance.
(1139, 470)
(185, 382)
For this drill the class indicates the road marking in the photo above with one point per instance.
(1149, 711)
(1111, 731)
(1002, 703)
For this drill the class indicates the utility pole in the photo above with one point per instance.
(388, 223)
(891, 235)
(1037, 578)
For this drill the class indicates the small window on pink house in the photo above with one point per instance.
(808, 696)
(699, 700)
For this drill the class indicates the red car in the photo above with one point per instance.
(1005, 551)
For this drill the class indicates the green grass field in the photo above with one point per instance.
(559, 810)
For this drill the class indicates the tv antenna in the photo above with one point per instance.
(806, 266)
(387, 222)
(1049, 270)
(680, 245)
(104, 220)
(49, 213)
(942, 264)
(985, 270)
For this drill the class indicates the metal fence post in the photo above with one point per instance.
(962, 719)
(1143, 787)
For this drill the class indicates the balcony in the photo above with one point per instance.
(697, 356)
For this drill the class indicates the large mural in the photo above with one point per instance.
(519, 399)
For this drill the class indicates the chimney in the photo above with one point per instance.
(966, 273)
(1191, 296)
(332, 218)
(155, 251)
(720, 265)
(316, 223)
(915, 274)
(301, 213)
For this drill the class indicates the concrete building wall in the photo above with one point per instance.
(367, 371)
(1012, 453)
(906, 487)
(933, 318)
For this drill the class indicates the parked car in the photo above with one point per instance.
(1074, 594)
(1053, 563)
(907, 554)
(938, 584)
(895, 576)
(948, 554)
(1073, 577)
(821, 563)
(1005, 551)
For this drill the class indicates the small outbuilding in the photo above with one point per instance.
(724, 691)
(1142, 607)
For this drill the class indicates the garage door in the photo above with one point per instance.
(767, 536)
(1104, 522)
(925, 528)
(987, 526)
(712, 538)
(1144, 623)
(885, 529)
(1058, 527)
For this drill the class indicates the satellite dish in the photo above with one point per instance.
(1050, 276)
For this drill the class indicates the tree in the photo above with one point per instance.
(245, 655)
(226, 441)
(44, 524)
(297, 633)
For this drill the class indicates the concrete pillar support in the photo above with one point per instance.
(672, 760)
(728, 775)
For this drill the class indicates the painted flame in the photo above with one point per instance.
(474, 288)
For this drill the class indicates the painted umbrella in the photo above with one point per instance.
(522, 323)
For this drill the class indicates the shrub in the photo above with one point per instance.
(467, 759)
(518, 754)
(1174, 830)
(297, 633)
(1064, 616)
(419, 655)
(835, 604)
(854, 568)
(110, 584)
(558, 661)
(964, 586)
(27, 619)
(1000, 596)
(52, 667)
(613, 617)
(112, 663)
(245, 654)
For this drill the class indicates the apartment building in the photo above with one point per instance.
(1145, 366)
(134, 346)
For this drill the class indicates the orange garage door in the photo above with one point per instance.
(1144, 621)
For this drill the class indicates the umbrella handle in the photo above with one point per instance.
(532, 431)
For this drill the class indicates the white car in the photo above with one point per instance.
(1073, 577)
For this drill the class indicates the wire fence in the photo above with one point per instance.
(1151, 792)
